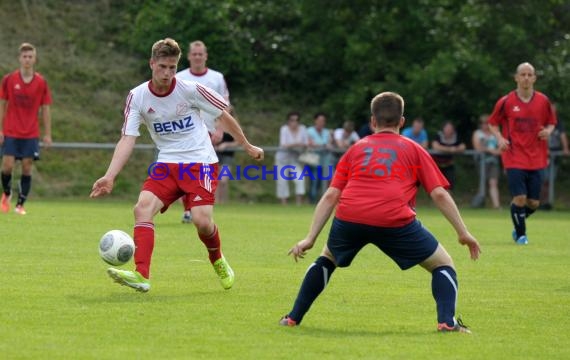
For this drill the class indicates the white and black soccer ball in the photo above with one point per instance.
(116, 247)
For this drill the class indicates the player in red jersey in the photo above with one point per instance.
(374, 190)
(23, 94)
(522, 121)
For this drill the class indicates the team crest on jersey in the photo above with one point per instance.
(516, 108)
(182, 109)
(150, 111)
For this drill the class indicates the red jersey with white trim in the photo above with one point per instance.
(379, 178)
(173, 120)
(23, 101)
(210, 78)
(520, 123)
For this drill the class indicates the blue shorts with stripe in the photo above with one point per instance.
(21, 148)
(408, 245)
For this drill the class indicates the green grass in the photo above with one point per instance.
(57, 302)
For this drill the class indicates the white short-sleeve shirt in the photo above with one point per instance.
(173, 120)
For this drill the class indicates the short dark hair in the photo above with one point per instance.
(293, 113)
(320, 113)
(165, 48)
(387, 108)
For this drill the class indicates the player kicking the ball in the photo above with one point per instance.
(186, 164)
(385, 217)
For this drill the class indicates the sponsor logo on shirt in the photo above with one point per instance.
(17, 87)
(174, 127)
(516, 108)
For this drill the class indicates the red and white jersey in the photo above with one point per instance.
(173, 120)
(210, 78)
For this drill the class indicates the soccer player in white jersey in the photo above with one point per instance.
(186, 165)
(199, 72)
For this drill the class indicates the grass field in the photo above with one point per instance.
(58, 303)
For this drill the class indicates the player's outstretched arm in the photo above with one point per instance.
(123, 151)
(321, 215)
(230, 124)
(447, 206)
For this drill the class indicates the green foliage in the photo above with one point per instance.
(451, 59)
(58, 302)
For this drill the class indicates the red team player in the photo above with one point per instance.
(374, 190)
(23, 94)
(187, 162)
(526, 120)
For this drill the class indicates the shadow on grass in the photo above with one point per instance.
(133, 297)
(319, 332)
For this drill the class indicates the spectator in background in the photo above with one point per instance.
(344, 137)
(417, 132)
(558, 141)
(320, 140)
(446, 145)
(292, 141)
(485, 142)
(365, 130)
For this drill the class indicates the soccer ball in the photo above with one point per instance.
(116, 247)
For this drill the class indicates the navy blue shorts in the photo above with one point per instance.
(408, 245)
(21, 148)
(525, 182)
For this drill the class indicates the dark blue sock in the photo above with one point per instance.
(25, 186)
(518, 214)
(316, 279)
(7, 183)
(444, 290)
(528, 211)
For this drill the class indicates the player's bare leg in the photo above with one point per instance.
(202, 217)
(316, 279)
(444, 290)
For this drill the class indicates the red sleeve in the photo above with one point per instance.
(551, 118)
(428, 173)
(4, 88)
(46, 96)
(498, 115)
(342, 172)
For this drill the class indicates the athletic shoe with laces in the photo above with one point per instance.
(523, 240)
(187, 217)
(5, 205)
(129, 278)
(19, 209)
(287, 321)
(224, 272)
(459, 327)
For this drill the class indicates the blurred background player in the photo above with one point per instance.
(199, 72)
(377, 208)
(522, 121)
(188, 163)
(344, 138)
(321, 142)
(23, 94)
